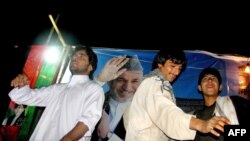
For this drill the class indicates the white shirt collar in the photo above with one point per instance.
(78, 79)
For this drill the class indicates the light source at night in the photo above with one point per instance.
(247, 68)
(244, 80)
(52, 55)
(244, 76)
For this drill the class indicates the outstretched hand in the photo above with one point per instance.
(20, 81)
(215, 125)
(112, 68)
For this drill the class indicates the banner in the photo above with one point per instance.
(40, 73)
(185, 87)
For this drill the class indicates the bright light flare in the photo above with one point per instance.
(52, 55)
(247, 69)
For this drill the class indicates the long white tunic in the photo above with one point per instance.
(80, 100)
(154, 116)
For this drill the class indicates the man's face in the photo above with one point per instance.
(210, 85)
(80, 63)
(170, 70)
(126, 84)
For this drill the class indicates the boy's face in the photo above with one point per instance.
(170, 70)
(210, 85)
(80, 63)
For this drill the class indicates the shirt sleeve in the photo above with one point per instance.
(93, 111)
(32, 97)
(165, 114)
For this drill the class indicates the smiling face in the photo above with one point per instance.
(210, 86)
(170, 70)
(125, 85)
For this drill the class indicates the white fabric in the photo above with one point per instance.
(117, 110)
(99, 82)
(114, 137)
(80, 100)
(153, 115)
(225, 107)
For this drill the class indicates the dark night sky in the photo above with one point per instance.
(118, 27)
(130, 27)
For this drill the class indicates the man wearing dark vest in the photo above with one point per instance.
(117, 100)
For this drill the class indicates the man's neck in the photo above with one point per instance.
(210, 100)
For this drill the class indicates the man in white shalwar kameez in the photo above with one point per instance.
(71, 110)
(153, 114)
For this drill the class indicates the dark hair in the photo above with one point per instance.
(92, 57)
(211, 71)
(177, 56)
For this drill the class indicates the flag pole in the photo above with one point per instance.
(57, 31)
(52, 30)
(64, 60)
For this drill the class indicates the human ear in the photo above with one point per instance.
(90, 68)
(220, 88)
(159, 65)
(199, 87)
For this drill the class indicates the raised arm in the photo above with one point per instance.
(20, 80)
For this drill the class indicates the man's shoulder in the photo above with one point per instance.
(156, 79)
(150, 78)
(239, 100)
(93, 83)
(241, 105)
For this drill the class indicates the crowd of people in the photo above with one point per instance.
(136, 107)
